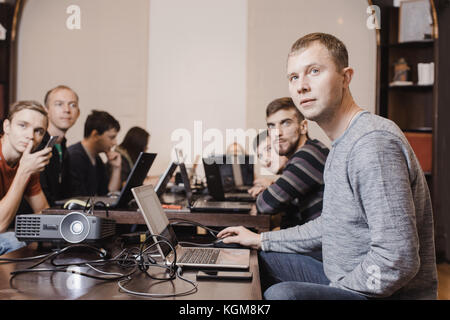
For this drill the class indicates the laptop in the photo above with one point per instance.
(216, 186)
(236, 171)
(164, 180)
(204, 205)
(196, 257)
(136, 177)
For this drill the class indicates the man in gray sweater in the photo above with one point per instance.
(376, 227)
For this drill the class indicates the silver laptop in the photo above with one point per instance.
(196, 257)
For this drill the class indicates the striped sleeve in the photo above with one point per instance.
(302, 176)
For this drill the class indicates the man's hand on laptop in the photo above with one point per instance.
(242, 236)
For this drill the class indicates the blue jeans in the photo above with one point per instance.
(9, 242)
(286, 276)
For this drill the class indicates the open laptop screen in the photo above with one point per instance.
(164, 180)
(225, 163)
(154, 216)
(136, 177)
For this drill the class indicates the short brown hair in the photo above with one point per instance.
(60, 87)
(26, 105)
(335, 47)
(285, 103)
(101, 121)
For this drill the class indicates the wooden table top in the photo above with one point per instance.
(260, 222)
(65, 285)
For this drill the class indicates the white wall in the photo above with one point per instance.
(163, 64)
(197, 70)
(105, 61)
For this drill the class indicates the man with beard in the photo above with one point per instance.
(298, 192)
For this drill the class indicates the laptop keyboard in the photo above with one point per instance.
(200, 256)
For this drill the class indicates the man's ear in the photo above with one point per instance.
(94, 134)
(6, 126)
(304, 127)
(348, 75)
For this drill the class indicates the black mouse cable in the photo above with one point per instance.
(180, 221)
(187, 222)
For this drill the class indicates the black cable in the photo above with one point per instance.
(9, 260)
(166, 241)
(64, 267)
(104, 205)
(86, 206)
(127, 258)
(211, 231)
(195, 244)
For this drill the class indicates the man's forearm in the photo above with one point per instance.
(298, 239)
(114, 180)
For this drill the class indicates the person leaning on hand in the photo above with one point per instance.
(23, 130)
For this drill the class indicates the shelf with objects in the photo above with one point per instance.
(412, 47)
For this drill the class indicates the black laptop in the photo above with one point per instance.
(215, 182)
(236, 171)
(204, 205)
(160, 188)
(135, 179)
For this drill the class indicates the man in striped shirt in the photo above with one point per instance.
(298, 192)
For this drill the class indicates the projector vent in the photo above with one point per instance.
(28, 226)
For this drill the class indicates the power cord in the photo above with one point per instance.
(145, 261)
(194, 288)
(66, 267)
(133, 259)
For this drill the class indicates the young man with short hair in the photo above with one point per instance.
(88, 173)
(298, 191)
(63, 111)
(376, 226)
(23, 130)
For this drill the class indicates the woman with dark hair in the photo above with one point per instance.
(135, 142)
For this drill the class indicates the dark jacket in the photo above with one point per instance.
(55, 179)
(86, 179)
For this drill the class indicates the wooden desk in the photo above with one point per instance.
(62, 285)
(259, 222)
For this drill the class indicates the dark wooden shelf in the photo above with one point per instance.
(420, 130)
(412, 87)
(412, 44)
(422, 112)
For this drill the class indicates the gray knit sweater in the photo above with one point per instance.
(376, 227)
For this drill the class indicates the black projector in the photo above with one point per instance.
(74, 227)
